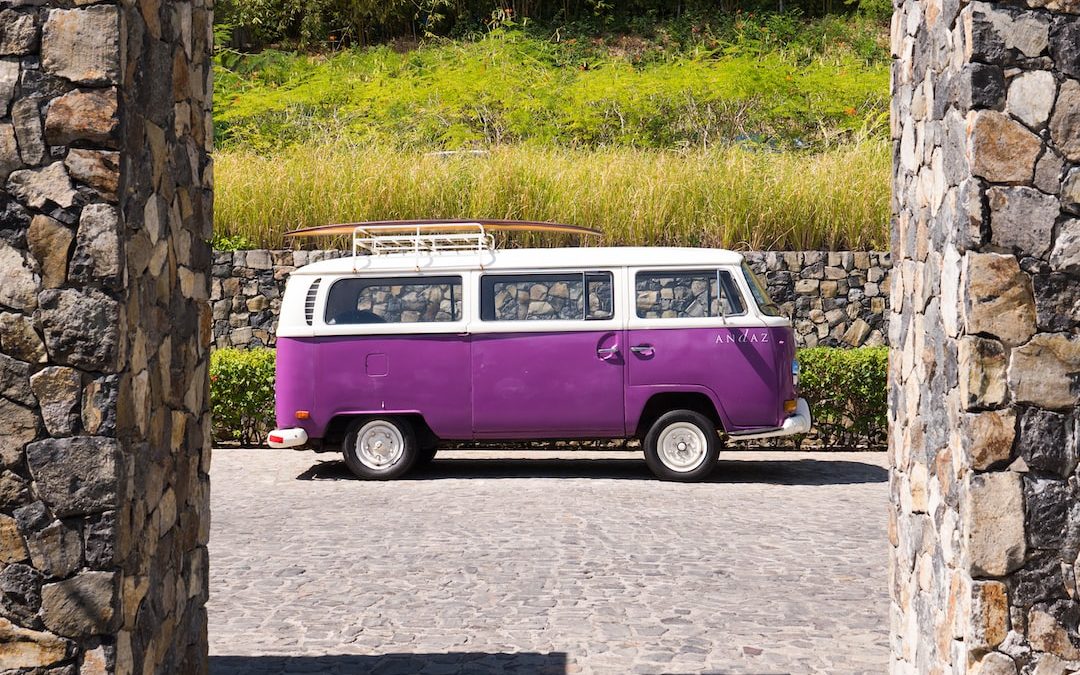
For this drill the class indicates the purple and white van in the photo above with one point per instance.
(385, 356)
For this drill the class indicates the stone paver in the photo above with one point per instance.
(545, 562)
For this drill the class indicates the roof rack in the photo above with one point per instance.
(421, 238)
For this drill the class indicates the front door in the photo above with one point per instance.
(547, 357)
(692, 332)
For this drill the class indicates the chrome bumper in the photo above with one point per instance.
(286, 438)
(799, 423)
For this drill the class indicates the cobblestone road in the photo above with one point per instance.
(558, 563)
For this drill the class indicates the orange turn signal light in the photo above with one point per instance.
(303, 415)
(791, 406)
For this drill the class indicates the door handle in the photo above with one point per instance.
(642, 349)
(607, 351)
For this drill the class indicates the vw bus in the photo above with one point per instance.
(436, 335)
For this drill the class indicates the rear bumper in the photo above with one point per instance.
(799, 423)
(286, 438)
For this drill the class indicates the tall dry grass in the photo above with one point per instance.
(730, 197)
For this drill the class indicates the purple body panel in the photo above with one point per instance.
(534, 385)
(547, 384)
(742, 370)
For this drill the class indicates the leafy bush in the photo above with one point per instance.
(242, 394)
(847, 390)
(773, 81)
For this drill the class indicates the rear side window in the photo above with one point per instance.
(394, 300)
(565, 296)
(686, 295)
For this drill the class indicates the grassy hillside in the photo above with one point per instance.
(754, 132)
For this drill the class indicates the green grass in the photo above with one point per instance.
(775, 80)
(731, 197)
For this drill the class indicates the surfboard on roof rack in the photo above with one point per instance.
(381, 237)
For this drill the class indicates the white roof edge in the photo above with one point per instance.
(526, 258)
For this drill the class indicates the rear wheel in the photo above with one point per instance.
(381, 448)
(682, 445)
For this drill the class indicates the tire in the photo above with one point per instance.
(380, 448)
(700, 446)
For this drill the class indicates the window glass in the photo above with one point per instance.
(394, 300)
(686, 295)
(761, 296)
(566, 296)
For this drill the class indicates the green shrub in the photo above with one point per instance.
(242, 394)
(847, 390)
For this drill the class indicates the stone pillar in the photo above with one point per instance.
(985, 328)
(105, 213)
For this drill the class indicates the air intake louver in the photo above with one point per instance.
(309, 302)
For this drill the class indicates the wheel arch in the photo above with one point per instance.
(667, 401)
(339, 425)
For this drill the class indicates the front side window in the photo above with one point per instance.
(394, 300)
(686, 295)
(761, 296)
(564, 296)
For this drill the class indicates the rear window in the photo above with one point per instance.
(687, 295)
(565, 296)
(394, 300)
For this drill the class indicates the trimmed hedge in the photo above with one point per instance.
(242, 394)
(847, 390)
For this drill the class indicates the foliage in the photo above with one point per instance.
(242, 394)
(732, 197)
(772, 79)
(234, 242)
(254, 24)
(847, 390)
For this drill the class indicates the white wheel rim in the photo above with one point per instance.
(379, 445)
(682, 446)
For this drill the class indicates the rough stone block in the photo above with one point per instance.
(50, 242)
(1066, 121)
(1043, 442)
(1065, 42)
(57, 389)
(1046, 508)
(18, 282)
(26, 649)
(1031, 97)
(100, 169)
(97, 248)
(997, 298)
(75, 475)
(81, 328)
(56, 550)
(18, 33)
(1022, 219)
(995, 527)
(12, 544)
(1044, 371)
(990, 437)
(82, 45)
(42, 188)
(1002, 35)
(1047, 629)
(26, 115)
(19, 428)
(15, 381)
(83, 115)
(1066, 254)
(1000, 149)
(989, 614)
(9, 151)
(19, 339)
(84, 605)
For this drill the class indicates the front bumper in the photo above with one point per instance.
(286, 438)
(799, 423)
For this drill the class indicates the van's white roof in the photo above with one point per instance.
(527, 258)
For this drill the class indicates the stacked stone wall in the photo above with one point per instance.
(104, 217)
(835, 298)
(985, 374)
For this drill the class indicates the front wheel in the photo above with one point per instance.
(380, 449)
(682, 445)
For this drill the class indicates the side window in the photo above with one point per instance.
(564, 296)
(686, 295)
(394, 300)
